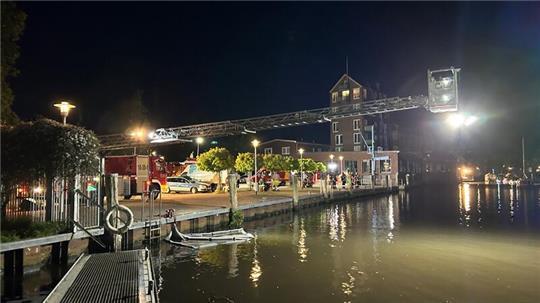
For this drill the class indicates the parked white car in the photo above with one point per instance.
(179, 184)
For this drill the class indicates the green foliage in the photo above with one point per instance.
(215, 160)
(23, 228)
(244, 162)
(321, 167)
(308, 165)
(273, 162)
(13, 22)
(290, 164)
(236, 219)
(47, 148)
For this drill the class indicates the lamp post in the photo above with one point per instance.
(64, 107)
(301, 152)
(199, 141)
(340, 164)
(255, 143)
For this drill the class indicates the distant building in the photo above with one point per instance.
(423, 153)
(346, 133)
(290, 147)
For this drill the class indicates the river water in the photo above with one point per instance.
(432, 244)
(438, 244)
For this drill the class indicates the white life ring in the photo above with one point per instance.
(110, 226)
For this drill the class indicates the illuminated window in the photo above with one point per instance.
(356, 93)
(357, 148)
(335, 127)
(339, 139)
(286, 150)
(345, 94)
(357, 138)
(356, 124)
(338, 149)
(334, 97)
(268, 151)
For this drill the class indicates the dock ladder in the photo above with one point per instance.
(152, 220)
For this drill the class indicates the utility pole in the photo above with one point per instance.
(523, 156)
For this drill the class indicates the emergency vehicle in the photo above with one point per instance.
(138, 174)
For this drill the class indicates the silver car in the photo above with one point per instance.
(179, 184)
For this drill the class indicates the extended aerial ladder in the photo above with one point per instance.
(442, 97)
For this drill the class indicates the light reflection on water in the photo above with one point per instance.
(446, 244)
(440, 245)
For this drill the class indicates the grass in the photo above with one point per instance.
(23, 228)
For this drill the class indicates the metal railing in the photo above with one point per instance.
(78, 199)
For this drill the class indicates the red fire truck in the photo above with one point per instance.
(138, 174)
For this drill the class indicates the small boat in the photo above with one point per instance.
(202, 240)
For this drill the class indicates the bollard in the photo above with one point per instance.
(294, 184)
(233, 195)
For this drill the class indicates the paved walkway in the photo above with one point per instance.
(184, 203)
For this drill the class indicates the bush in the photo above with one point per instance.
(236, 219)
(23, 228)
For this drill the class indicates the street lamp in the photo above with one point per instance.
(340, 164)
(64, 107)
(199, 141)
(331, 158)
(255, 143)
(301, 152)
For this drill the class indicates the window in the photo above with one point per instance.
(334, 97)
(351, 165)
(356, 124)
(286, 150)
(335, 127)
(365, 93)
(357, 138)
(338, 149)
(365, 166)
(384, 166)
(356, 93)
(357, 148)
(268, 151)
(345, 94)
(339, 139)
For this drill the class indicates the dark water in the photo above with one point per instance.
(443, 244)
(438, 244)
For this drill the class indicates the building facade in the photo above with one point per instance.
(290, 147)
(357, 133)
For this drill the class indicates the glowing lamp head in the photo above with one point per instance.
(64, 107)
(255, 143)
(331, 157)
(332, 166)
(301, 151)
(446, 82)
(340, 158)
(199, 140)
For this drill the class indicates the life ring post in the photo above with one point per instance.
(112, 215)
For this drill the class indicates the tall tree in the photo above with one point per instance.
(13, 21)
(216, 160)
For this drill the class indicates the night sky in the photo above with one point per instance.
(202, 62)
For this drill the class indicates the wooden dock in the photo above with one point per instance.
(108, 277)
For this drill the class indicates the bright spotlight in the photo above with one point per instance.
(332, 166)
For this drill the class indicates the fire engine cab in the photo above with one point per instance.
(138, 174)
